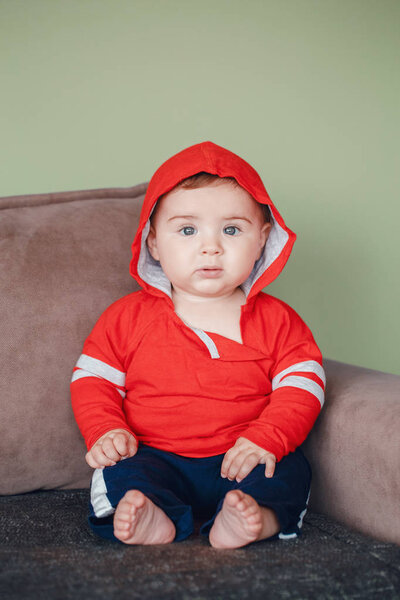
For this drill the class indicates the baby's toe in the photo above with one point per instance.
(246, 505)
(234, 497)
(252, 509)
(124, 514)
(253, 519)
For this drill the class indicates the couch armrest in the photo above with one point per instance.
(354, 450)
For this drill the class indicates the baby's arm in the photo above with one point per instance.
(297, 385)
(241, 459)
(98, 389)
(110, 448)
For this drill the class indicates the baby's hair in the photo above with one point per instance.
(203, 179)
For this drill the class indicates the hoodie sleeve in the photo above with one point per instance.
(298, 384)
(98, 380)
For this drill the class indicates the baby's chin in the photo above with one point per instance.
(204, 288)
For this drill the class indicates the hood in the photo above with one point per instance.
(217, 160)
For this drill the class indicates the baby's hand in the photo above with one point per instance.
(111, 448)
(243, 457)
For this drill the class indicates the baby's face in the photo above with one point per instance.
(208, 239)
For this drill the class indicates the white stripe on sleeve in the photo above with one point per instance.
(80, 373)
(308, 366)
(98, 368)
(304, 384)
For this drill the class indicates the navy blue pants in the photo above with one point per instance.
(185, 488)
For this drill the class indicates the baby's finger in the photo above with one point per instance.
(227, 461)
(250, 461)
(99, 456)
(132, 446)
(121, 443)
(108, 448)
(234, 466)
(241, 461)
(91, 461)
(270, 463)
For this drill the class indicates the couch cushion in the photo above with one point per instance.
(354, 449)
(64, 258)
(43, 560)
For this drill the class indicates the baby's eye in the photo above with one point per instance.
(231, 230)
(187, 230)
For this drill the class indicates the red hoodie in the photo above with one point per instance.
(193, 392)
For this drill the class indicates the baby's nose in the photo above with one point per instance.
(211, 245)
(211, 250)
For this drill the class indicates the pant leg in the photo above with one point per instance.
(286, 493)
(150, 471)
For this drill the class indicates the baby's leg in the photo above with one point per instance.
(157, 512)
(242, 521)
(263, 507)
(138, 520)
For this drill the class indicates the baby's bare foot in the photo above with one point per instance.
(138, 521)
(242, 521)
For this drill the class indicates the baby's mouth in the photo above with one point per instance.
(209, 272)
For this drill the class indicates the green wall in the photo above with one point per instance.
(98, 93)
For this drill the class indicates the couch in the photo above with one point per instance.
(64, 257)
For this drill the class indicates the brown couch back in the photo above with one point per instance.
(64, 258)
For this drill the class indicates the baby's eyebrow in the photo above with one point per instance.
(236, 218)
(182, 217)
(189, 217)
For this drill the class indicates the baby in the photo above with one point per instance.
(195, 393)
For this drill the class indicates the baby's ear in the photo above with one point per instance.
(264, 234)
(151, 242)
